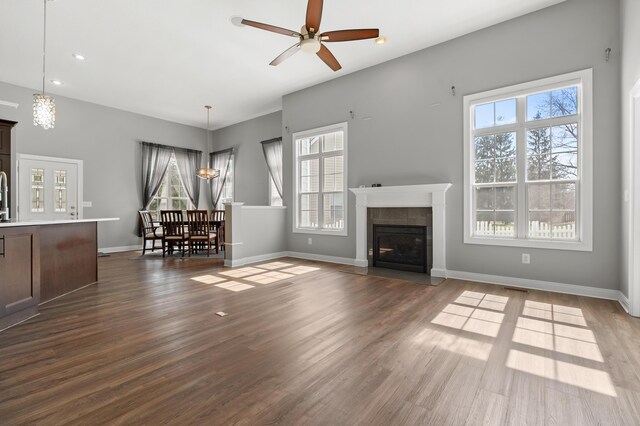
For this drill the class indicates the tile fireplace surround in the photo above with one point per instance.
(404, 196)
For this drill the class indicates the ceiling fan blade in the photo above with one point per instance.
(348, 35)
(271, 28)
(328, 58)
(314, 15)
(286, 54)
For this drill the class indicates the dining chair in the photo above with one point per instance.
(200, 231)
(217, 218)
(173, 231)
(151, 231)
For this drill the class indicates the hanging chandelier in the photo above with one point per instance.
(44, 107)
(208, 173)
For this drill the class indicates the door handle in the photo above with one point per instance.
(4, 248)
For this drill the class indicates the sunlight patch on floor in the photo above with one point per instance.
(274, 265)
(299, 270)
(269, 277)
(241, 272)
(576, 375)
(473, 319)
(551, 312)
(240, 279)
(209, 279)
(538, 328)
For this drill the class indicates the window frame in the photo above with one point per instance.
(296, 171)
(167, 177)
(584, 188)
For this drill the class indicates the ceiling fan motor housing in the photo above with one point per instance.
(310, 45)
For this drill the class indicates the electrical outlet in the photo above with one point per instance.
(526, 259)
(310, 241)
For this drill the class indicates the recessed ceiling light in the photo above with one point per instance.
(380, 40)
(56, 82)
(78, 56)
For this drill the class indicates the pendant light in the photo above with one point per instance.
(44, 107)
(208, 173)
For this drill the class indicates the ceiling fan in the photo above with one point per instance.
(310, 40)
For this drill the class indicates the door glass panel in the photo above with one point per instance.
(60, 190)
(37, 190)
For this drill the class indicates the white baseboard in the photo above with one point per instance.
(118, 249)
(437, 272)
(578, 290)
(254, 259)
(297, 255)
(624, 302)
(322, 258)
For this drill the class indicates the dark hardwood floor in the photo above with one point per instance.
(304, 343)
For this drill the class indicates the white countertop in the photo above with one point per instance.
(55, 222)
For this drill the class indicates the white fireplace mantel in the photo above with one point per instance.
(404, 196)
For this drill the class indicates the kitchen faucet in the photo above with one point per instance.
(4, 197)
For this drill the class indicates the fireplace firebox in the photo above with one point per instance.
(401, 247)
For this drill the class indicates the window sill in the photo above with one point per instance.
(338, 233)
(542, 244)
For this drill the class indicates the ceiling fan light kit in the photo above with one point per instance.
(310, 40)
(310, 45)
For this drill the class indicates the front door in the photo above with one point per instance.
(48, 189)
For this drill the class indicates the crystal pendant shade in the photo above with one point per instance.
(44, 107)
(44, 111)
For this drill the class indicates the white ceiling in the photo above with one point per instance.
(167, 59)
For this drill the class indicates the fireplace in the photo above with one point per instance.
(431, 195)
(401, 247)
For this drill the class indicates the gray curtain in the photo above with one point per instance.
(188, 161)
(155, 160)
(273, 156)
(219, 160)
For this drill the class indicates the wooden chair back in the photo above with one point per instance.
(198, 221)
(147, 222)
(172, 223)
(217, 215)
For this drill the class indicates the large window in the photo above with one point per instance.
(227, 188)
(528, 166)
(171, 195)
(320, 180)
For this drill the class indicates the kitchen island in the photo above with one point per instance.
(43, 260)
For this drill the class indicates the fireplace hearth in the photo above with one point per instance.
(402, 247)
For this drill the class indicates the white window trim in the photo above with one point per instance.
(306, 134)
(584, 241)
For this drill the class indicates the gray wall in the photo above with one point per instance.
(415, 134)
(251, 174)
(107, 140)
(630, 34)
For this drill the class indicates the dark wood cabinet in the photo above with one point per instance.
(19, 274)
(5, 136)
